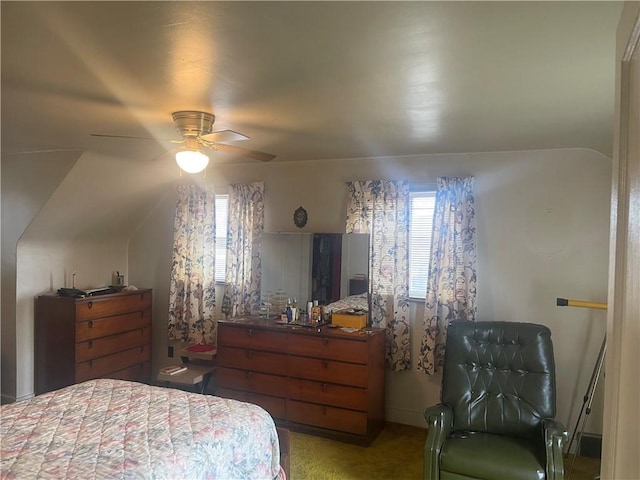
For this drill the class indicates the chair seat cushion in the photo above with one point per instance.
(491, 457)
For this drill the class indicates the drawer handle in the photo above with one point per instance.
(325, 364)
(90, 324)
(90, 343)
(250, 332)
(325, 341)
(324, 410)
(324, 387)
(90, 363)
(249, 374)
(249, 354)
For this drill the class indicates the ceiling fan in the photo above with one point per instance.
(196, 129)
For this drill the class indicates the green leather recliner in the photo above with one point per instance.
(498, 403)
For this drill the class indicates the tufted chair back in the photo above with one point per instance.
(499, 377)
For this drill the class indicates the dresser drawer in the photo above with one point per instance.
(274, 405)
(256, 360)
(113, 343)
(251, 381)
(253, 338)
(96, 307)
(331, 348)
(328, 371)
(103, 366)
(111, 325)
(327, 417)
(327, 393)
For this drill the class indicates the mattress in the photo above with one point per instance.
(107, 429)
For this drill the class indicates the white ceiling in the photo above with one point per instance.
(310, 80)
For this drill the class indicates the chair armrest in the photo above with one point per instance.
(555, 437)
(439, 420)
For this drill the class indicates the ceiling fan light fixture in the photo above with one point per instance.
(192, 161)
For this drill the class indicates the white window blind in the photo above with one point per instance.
(222, 214)
(422, 205)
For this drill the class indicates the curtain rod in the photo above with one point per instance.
(412, 186)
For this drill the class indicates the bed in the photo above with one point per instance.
(359, 303)
(119, 429)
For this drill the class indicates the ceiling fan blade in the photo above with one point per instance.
(135, 138)
(224, 136)
(164, 154)
(245, 152)
(120, 136)
(51, 150)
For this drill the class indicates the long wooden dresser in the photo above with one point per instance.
(78, 339)
(319, 381)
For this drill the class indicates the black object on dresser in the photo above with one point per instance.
(105, 336)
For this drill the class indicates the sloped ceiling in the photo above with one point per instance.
(307, 80)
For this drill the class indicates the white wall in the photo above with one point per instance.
(27, 183)
(150, 267)
(45, 266)
(543, 223)
(61, 212)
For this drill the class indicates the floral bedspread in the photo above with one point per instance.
(107, 429)
(352, 302)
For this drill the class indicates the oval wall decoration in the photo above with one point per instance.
(300, 217)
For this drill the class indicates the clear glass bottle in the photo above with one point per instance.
(309, 308)
(294, 305)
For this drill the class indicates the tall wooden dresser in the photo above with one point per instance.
(320, 381)
(78, 339)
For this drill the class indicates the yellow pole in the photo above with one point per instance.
(563, 302)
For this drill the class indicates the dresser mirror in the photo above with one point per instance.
(314, 266)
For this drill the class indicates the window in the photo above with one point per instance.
(421, 205)
(222, 214)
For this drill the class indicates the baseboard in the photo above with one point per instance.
(4, 399)
(25, 397)
(406, 417)
(591, 445)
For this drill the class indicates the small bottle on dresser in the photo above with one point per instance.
(289, 311)
(296, 310)
(309, 309)
(315, 313)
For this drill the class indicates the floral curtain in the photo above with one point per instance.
(192, 288)
(451, 285)
(244, 246)
(381, 209)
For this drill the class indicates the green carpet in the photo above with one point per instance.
(396, 454)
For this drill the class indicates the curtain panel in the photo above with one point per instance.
(451, 284)
(192, 294)
(381, 209)
(244, 247)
